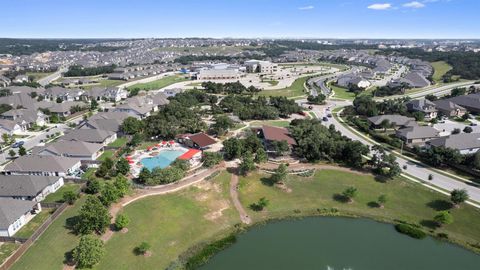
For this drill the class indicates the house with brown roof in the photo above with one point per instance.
(198, 140)
(272, 135)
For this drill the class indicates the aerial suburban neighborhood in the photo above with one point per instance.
(133, 152)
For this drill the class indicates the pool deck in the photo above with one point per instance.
(137, 156)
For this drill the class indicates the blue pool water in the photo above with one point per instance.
(162, 160)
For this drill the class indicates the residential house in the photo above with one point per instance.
(110, 121)
(14, 214)
(19, 100)
(275, 134)
(26, 118)
(173, 92)
(98, 136)
(417, 135)
(10, 127)
(29, 187)
(466, 143)
(199, 140)
(21, 78)
(142, 106)
(424, 106)
(4, 81)
(43, 165)
(72, 149)
(60, 93)
(449, 109)
(415, 80)
(396, 121)
(470, 102)
(114, 94)
(66, 108)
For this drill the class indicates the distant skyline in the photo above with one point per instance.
(389, 19)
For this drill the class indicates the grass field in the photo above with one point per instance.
(38, 75)
(7, 249)
(120, 142)
(158, 84)
(341, 92)
(406, 201)
(29, 228)
(48, 252)
(58, 195)
(440, 68)
(104, 83)
(296, 89)
(171, 224)
(106, 154)
(275, 123)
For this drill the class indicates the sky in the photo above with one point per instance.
(427, 19)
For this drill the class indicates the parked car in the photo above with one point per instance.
(329, 115)
(18, 144)
(473, 124)
(310, 107)
(325, 119)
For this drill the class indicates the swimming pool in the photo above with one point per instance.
(162, 160)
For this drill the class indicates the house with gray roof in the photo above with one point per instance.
(54, 93)
(466, 143)
(65, 108)
(19, 100)
(26, 118)
(4, 81)
(103, 137)
(396, 120)
(424, 106)
(72, 149)
(415, 80)
(417, 135)
(14, 214)
(470, 102)
(29, 187)
(47, 165)
(449, 109)
(110, 121)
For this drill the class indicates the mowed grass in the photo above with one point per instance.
(171, 224)
(440, 68)
(106, 154)
(158, 84)
(341, 92)
(29, 228)
(120, 142)
(58, 195)
(38, 75)
(275, 123)
(406, 201)
(7, 249)
(48, 252)
(296, 89)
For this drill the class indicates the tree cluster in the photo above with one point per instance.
(80, 71)
(159, 176)
(229, 88)
(248, 108)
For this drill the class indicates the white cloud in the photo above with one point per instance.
(380, 6)
(306, 8)
(414, 4)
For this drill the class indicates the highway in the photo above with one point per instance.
(52, 77)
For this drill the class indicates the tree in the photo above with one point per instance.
(70, 197)
(468, 129)
(121, 221)
(22, 151)
(144, 175)
(105, 168)
(280, 147)
(143, 248)
(260, 205)
(233, 148)
(280, 174)
(383, 163)
(458, 196)
(385, 124)
(93, 186)
(109, 194)
(132, 125)
(222, 124)
(319, 99)
(89, 251)
(211, 159)
(122, 166)
(350, 193)
(5, 138)
(93, 217)
(456, 131)
(12, 153)
(122, 184)
(261, 156)
(419, 116)
(382, 199)
(93, 105)
(443, 218)
(247, 165)
(59, 100)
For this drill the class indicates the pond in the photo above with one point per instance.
(338, 244)
(162, 160)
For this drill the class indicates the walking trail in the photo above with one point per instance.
(236, 202)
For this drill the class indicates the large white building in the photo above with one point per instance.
(259, 66)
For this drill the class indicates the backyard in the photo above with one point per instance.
(158, 84)
(58, 195)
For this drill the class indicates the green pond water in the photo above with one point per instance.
(339, 244)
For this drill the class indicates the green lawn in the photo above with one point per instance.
(58, 195)
(163, 82)
(106, 154)
(407, 201)
(120, 142)
(104, 83)
(29, 228)
(272, 82)
(171, 224)
(296, 89)
(341, 92)
(7, 249)
(48, 252)
(440, 68)
(38, 75)
(275, 123)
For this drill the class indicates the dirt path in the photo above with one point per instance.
(236, 202)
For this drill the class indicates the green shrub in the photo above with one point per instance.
(208, 251)
(410, 231)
